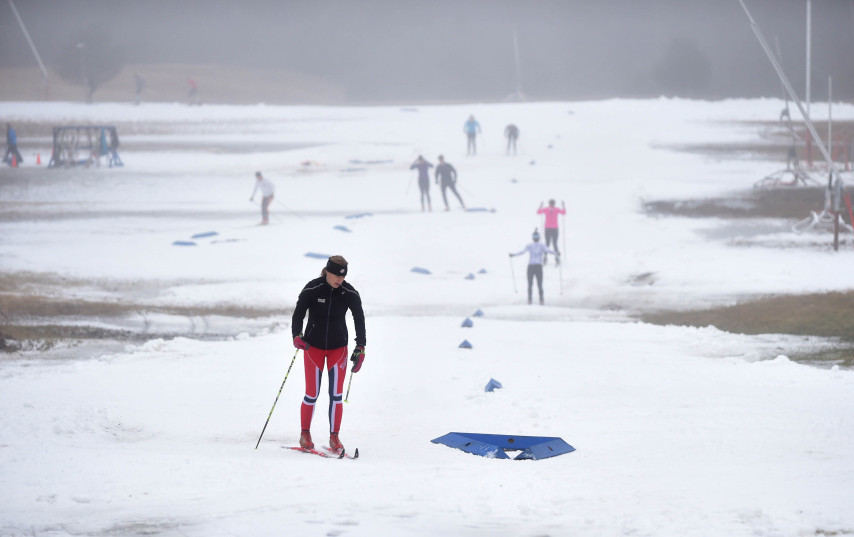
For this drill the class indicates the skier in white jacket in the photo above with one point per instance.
(267, 191)
(536, 254)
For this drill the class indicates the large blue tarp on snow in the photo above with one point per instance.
(496, 446)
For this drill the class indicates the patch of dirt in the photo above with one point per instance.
(819, 314)
(22, 306)
(775, 139)
(787, 203)
(39, 311)
(828, 315)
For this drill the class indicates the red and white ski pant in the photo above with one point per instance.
(336, 364)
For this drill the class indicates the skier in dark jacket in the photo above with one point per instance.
(511, 132)
(448, 176)
(327, 299)
(423, 168)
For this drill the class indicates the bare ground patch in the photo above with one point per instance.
(40, 312)
(785, 203)
(827, 315)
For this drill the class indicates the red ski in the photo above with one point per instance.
(325, 454)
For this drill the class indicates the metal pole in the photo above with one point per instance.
(809, 52)
(513, 275)
(787, 85)
(837, 196)
(518, 65)
(29, 40)
(563, 252)
(780, 59)
(32, 47)
(830, 115)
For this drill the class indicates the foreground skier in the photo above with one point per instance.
(327, 300)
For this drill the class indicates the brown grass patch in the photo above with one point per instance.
(829, 315)
(793, 203)
(822, 314)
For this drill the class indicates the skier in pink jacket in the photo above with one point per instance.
(551, 227)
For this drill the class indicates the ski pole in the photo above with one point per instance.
(563, 229)
(346, 397)
(277, 398)
(513, 275)
(301, 217)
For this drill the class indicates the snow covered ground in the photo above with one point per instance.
(678, 431)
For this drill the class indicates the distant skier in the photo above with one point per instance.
(267, 191)
(114, 146)
(327, 299)
(448, 176)
(423, 168)
(511, 132)
(193, 94)
(472, 129)
(12, 155)
(103, 148)
(139, 85)
(551, 226)
(536, 252)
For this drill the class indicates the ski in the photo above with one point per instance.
(326, 454)
(342, 454)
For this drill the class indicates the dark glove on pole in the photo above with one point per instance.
(299, 343)
(357, 358)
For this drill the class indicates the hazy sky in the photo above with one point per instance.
(463, 49)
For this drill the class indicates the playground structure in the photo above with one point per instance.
(85, 145)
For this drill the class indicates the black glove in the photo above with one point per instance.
(357, 358)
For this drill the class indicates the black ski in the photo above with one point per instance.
(342, 454)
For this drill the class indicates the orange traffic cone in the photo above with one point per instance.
(38, 159)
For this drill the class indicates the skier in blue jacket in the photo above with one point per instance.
(12, 154)
(471, 128)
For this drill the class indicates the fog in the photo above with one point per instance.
(385, 50)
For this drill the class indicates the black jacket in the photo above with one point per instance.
(447, 173)
(327, 307)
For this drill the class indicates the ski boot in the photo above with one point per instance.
(305, 440)
(335, 444)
